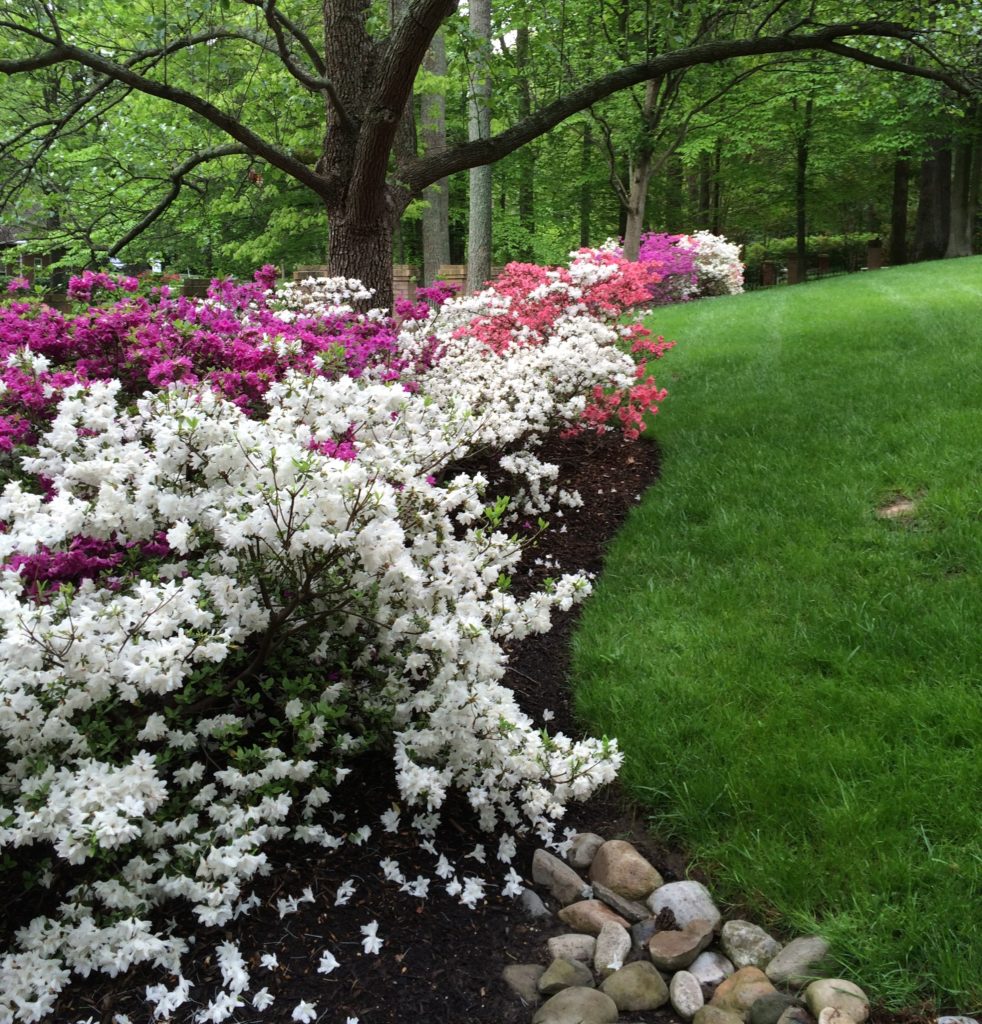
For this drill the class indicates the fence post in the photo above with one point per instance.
(403, 281)
(768, 273)
(795, 271)
(874, 254)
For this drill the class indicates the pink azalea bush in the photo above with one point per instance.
(236, 545)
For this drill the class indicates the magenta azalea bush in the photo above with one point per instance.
(238, 549)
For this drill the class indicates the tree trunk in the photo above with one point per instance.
(933, 204)
(364, 252)
(961, 221)
(479, 127)
(674, 196)
(705, 190)
(717, 225)
(586, 188)
(436, 215)
(802, 141)
(641, 167)
(898, 210)
(526, 156)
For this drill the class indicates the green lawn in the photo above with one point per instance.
(797, 683)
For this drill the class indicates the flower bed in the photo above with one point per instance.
(239, 550)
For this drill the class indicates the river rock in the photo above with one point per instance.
(577, 1006)
(673, 951)
(710, 969)
(741, 990)
(573, 946)
(688, 901)
(613, 948)
(636, 986)
(640, 934)
(796, 1015)
(619, 866)
(830, 1015)
(747, 945)
(559, 878)
(686, 995)
(589, 916)
(523, 980)
(629, 909)
(956, 1020)
(770, 1008)
(583, 848)
(840, 995)
(564, 973)
(714, 1015)
(531, 904)
(800, 962)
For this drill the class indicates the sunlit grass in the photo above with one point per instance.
(797, 682)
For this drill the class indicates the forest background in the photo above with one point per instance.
(806, 149)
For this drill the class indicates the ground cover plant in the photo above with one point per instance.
(240, 549)
(785, 639)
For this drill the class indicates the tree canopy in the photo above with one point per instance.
(120, 119)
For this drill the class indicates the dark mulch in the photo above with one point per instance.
(440, 963)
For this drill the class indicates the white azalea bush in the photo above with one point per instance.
(283, 593)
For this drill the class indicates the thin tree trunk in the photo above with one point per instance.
(641, 167)
(436, 214)
(802, 141)
(961, 220)
(898, 210)
(674, 195)
(933, 203)
(705, 189)
(526, 156)
(479, 127)
(717, 198)
(586, 187)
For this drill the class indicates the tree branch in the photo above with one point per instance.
(400, 62)
(298, 33)
(177, 182)
(127, 75)
(417, 174)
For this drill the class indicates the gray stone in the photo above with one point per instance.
(582, 849)
(629, 909)
(640, 934)
(741, 990)
(840, 995)
(559, 878)
(673, 951)
(577, 1006)
(619, 866)
(635, 987)
(956, 1020)
(532, 905)
(747, 945)
(796, 1015)
(686, 995)
(714, 1015)
(711, 969)
(770, 1008)
(613, 947)
(564, 973)
(800, 962)
(589, 916)
(688, 901)
(523, 980)
(573, 946)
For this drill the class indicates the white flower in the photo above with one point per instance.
(269, 960)
(345, 891)
(328, 963)
(304, 1012)
(371, 943)
(263, 999)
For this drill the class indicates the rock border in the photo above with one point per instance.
(636, 943)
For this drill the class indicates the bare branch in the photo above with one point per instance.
(298, 33)
(177, 181)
